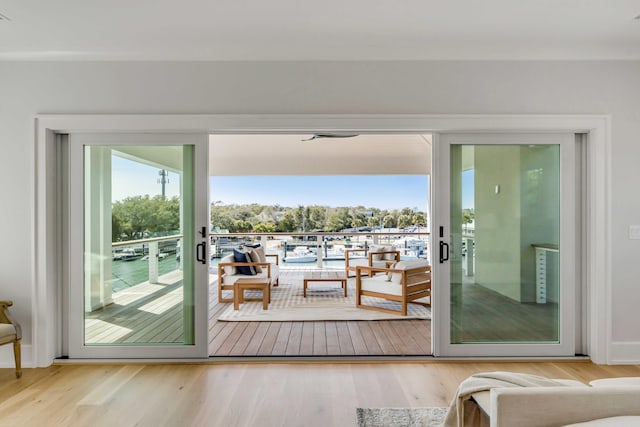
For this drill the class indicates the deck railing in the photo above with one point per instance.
(153, 248)
(326, 247)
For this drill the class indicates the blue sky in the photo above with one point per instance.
(130, 178)
(468, 188)
(379, 191)
(376, 191)
(384, 192)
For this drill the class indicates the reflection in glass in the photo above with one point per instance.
(505, 240)
(137, 283)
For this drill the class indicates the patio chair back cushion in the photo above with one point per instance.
(406, 265)
(240, 256)
(258, 250)
(382, 248)
(377, 248)
(229, 269)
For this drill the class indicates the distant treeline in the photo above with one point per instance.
(143, 216)
(138, 217)
(276, 218)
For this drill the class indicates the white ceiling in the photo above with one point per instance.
(319, 30)
(231, 155)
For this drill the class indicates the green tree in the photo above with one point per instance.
(139, 216)
(288, 222)
(265, 227)
(317, 217)
(240, 226)
(404, 221)
(467, 216)
(334, 222)
(389, 221)
(419, 218)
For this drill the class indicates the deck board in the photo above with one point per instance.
(319, 339)
(295, 338)
(269, 340)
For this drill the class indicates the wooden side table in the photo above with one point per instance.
(258, 284)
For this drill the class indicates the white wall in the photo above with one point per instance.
(489, 87)
(497, 219)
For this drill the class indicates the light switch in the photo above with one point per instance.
(634, 232)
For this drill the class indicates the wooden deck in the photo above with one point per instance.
(145, 313)
(151, 313)
(317, 338)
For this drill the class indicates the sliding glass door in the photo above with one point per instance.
(138, 225)
(505, 244)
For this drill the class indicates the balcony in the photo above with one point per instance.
(147, 298)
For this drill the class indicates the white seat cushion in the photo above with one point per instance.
(359, 262)
(623, 421)
(7, 333)
(616, 382)
(379, 284)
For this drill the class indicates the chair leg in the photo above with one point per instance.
(17, 356)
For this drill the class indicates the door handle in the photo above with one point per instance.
(201, 252)
(444, 256)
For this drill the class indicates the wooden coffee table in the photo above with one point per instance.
(257, 284)
(325, 276)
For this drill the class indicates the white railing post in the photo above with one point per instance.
(153, 262)
(319, 250)
(469, 257)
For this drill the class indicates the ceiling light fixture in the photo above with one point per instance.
(330, 135)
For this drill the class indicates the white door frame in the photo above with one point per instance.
(46, 275)
(442, 193)
(197, 291)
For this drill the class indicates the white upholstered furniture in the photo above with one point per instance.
(10, 333)
(374, 256)
(605, 403)
(228, 273)
(404, 282)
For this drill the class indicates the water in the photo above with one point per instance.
(129, 273)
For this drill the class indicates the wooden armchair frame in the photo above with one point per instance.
(5, 318)
(229, 287)
(415, 282)
(370, 255)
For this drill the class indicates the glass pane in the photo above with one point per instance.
(138, 280)
(505, 240)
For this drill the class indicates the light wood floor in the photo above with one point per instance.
(308, 394)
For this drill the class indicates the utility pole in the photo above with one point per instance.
(164, 180)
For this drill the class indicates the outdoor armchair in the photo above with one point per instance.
(228, 273)
(10, 332)
(376, 256)
(405, 283)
